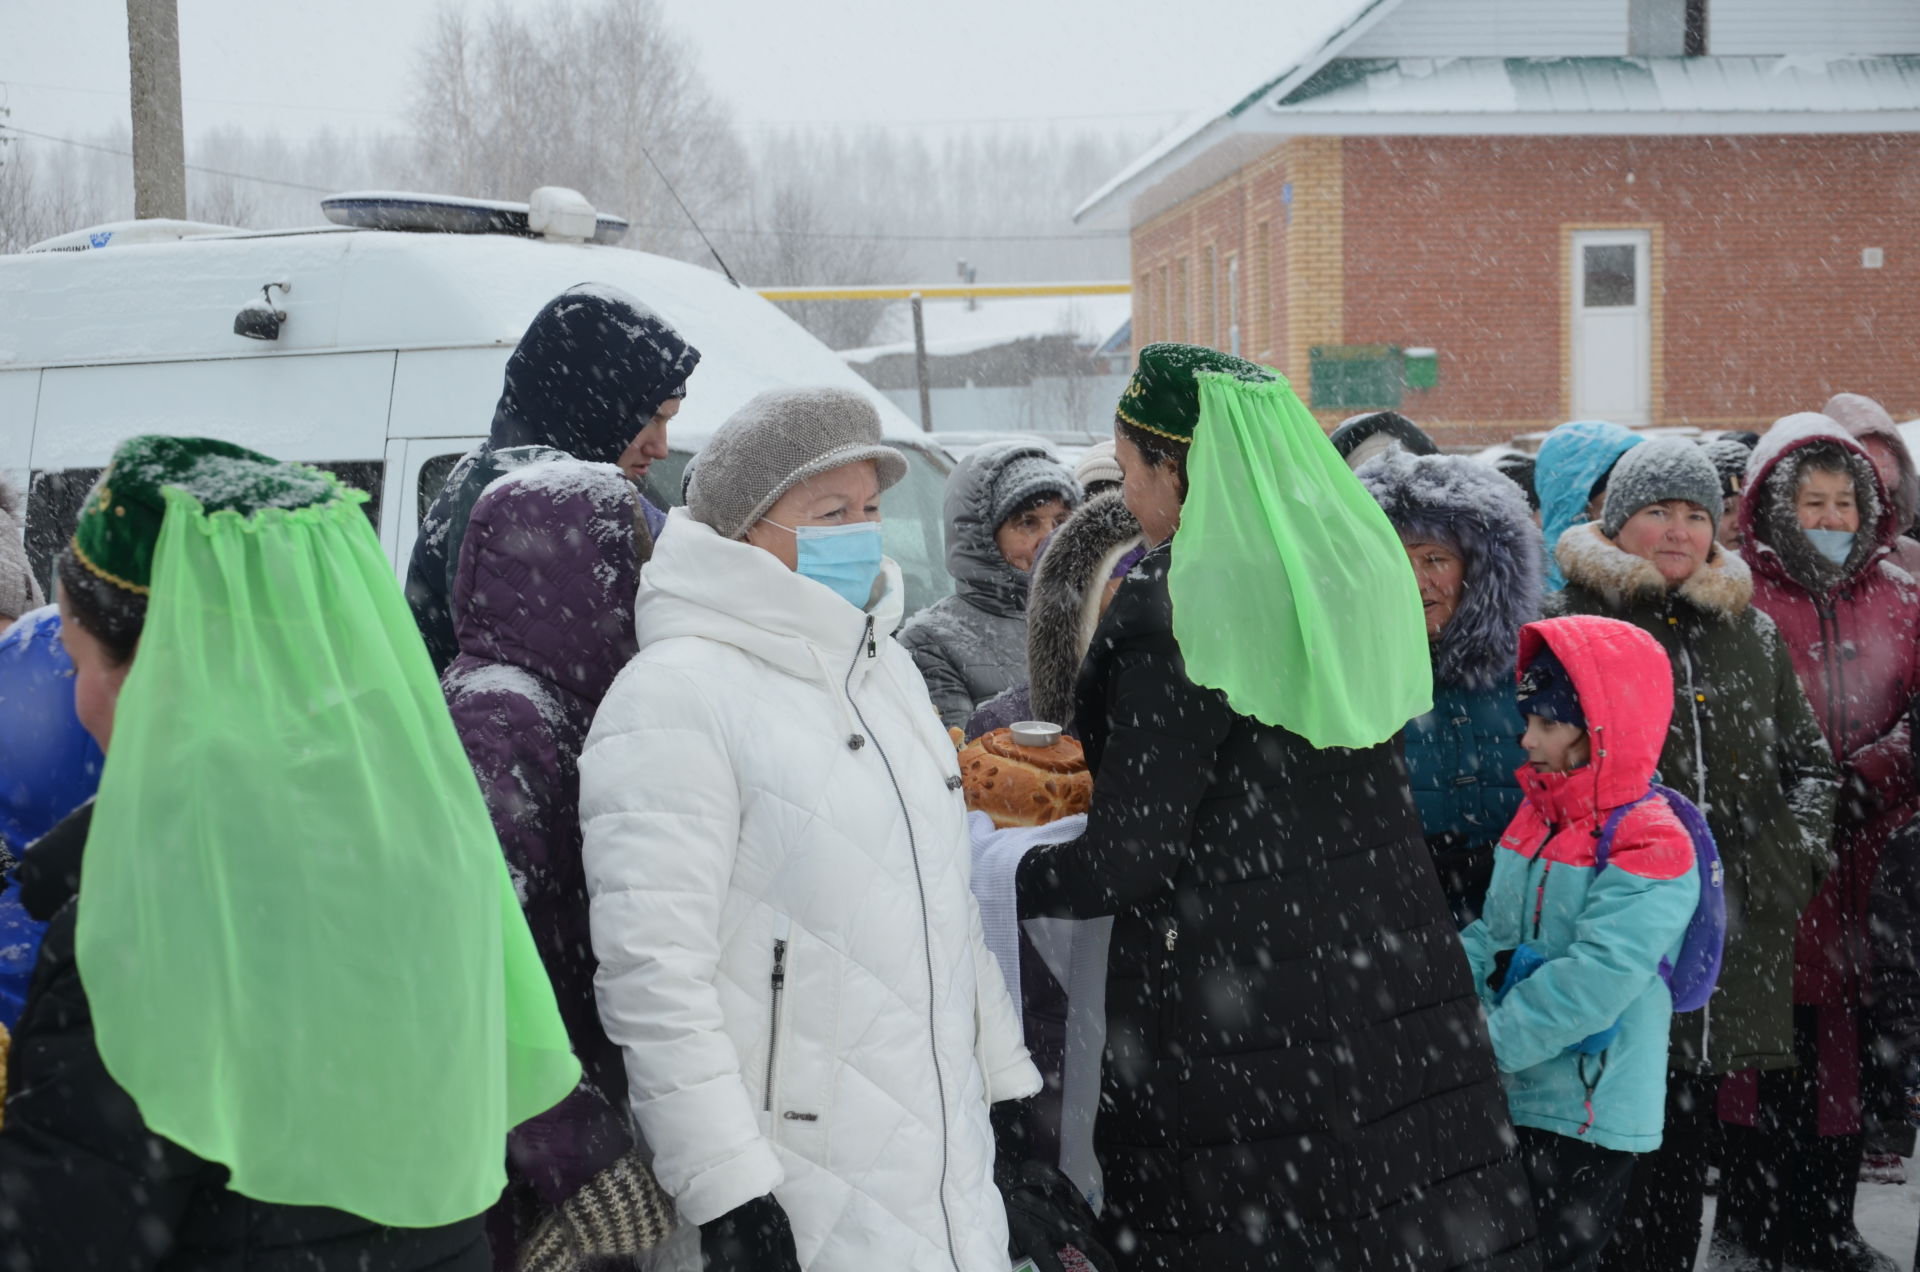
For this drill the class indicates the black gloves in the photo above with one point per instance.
(754, 1237)
(616, 1215)
(1045, 1212)
(1046, 1215)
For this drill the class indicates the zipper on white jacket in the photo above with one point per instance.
(782, 926)
(926, 933)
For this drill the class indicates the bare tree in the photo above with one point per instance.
(42, 195)
(792, 241)
(591, 96)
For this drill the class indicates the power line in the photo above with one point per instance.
(209, 101)
(753, 125)
(833, 235)
(192, 167)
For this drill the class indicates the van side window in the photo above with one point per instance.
(54, 497)
(361, 474)
(433, 475)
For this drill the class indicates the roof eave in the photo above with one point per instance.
(1584, 123)
(1109, 206)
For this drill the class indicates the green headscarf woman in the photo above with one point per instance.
(1296, 1071)
(286, 1000)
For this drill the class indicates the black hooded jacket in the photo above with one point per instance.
(86, 1187)
(1297, 1071)
(590, 372)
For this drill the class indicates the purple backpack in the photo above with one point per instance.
(1692, 975)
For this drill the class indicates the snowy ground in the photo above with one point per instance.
(1889, 1216)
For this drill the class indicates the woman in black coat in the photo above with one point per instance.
(185, 1091)
(1297, 1073)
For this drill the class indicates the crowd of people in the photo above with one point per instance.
(1482, 859)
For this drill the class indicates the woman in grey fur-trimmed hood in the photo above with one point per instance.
(1476, 552)
(1078, 572)
(1002, 501)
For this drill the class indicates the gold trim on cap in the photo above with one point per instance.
(80, 555)
(1148, 428)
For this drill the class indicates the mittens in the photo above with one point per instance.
(617, 1214)
(1047, 1217)
(753, 1237)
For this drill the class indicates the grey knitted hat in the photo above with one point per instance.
(1729, 456)
(1024, 477)
(1654, 472)
(775, 442)
(19, 590)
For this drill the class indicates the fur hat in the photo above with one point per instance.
(19, 590)
(778, 440)
(1656, 472)
(1481, 515)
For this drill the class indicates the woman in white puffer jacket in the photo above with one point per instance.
(777, 855)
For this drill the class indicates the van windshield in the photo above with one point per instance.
(914, 529)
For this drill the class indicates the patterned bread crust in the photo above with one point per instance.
(1025, 786)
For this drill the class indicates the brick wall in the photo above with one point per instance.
(1761, 305)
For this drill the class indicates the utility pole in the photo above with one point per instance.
(920, 364)
(159, 143)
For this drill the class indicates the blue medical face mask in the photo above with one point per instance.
(844, 558)
(1835, 545)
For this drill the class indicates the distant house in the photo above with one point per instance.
(1043, 363)
(1653, 211)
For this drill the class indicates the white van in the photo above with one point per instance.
(385, 370)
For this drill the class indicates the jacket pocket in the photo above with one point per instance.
(776, 999)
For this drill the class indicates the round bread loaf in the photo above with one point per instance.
(1023, 785)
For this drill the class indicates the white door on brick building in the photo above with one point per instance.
(1612, 327)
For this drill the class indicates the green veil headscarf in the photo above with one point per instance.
(303, 953)
(1291, 591)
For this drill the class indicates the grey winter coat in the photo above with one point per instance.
(1462, 756)
(973, 645)
(1745, 747)
(1069, 582)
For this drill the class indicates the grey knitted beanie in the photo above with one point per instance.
(778, 440)
(1654, 472)
(19, 590)
(1026, 476)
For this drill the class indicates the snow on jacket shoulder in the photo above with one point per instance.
(1602, 932)
(543, 603)
(790, 955)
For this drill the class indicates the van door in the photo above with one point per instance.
(422, 471)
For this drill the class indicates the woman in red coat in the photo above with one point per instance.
(1820, 530)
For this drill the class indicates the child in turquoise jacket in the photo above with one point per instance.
(1566, 956)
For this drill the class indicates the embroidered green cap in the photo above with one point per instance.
(115, 535)
(1164, 398)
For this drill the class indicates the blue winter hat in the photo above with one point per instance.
(1546, 690)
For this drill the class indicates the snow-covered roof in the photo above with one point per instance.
(1320, 93)
(373, 290)
(1673, 86)
(953, 329)
(1344, 26)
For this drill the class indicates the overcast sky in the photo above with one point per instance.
(302, 65)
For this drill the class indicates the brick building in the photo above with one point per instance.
(1658, 212)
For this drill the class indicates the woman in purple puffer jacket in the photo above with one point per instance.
(543, 609)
